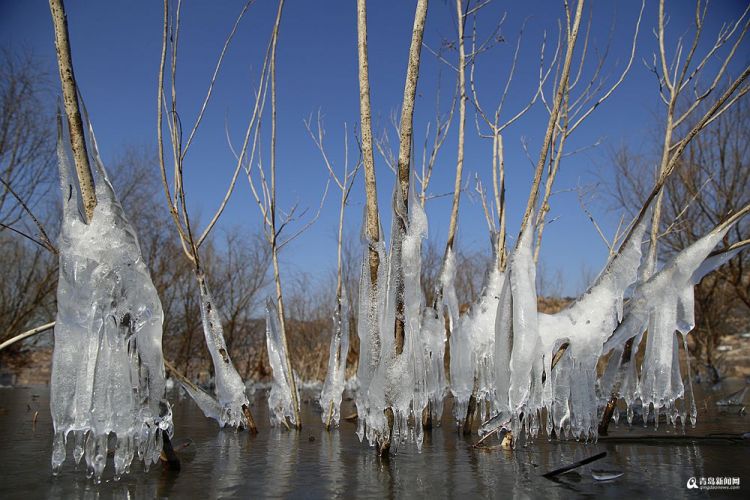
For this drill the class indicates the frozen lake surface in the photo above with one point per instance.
(316, 464)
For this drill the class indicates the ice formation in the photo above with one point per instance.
(569, 394)
(371, 300)
(434, 338)
(207, 403)
(536, 371)
(410, 367)
(663, 305)
(517, 330)
(107, 370)
(526, 342)
(333, 387)
(545, 365)
(472, 342)
(397, 384)
(230, 389)
(280, 401)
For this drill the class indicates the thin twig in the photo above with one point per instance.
(27, 334)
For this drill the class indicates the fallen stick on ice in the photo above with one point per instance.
(574, 465)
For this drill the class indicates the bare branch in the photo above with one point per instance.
(213, 79)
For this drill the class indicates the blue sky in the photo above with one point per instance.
(116, 48)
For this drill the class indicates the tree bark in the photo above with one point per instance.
(461, 126)
(372, 223)
(404, 152)
(72, 111)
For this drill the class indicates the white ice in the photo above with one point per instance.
(663, 305)
(527, 387)
(584, 326)
(368, 327)
(472, 346)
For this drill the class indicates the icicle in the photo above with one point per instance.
(433, 335)
(525, 323)
(663, 305)
(503, 348)
(208, 404)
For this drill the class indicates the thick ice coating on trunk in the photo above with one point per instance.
(472, 344)
(524, 321)
(230, 390)
(280, 401)
(411, 366)
(333, 387)
(368, 327)
(107, 368)
(405, 382)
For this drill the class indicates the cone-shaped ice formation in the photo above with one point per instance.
(230, 390)
(371, 301)
(280, 401)
(107, 369)
(401, 382)
(333, 387)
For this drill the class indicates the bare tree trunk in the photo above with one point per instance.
(498, 180)
(404, 150)
(70, 99)
(461, 125)
(558, 143)
(372, 224)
